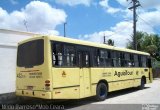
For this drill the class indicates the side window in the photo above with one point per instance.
(83, 59)
(63, 55)
(117, 59)
(131, 62)
(136, 63)
(101, 58)
(79, 59)
(105, 58)
(140, 60)
(69, 55)
(122, 58)
(95, 58)
(86, 59)
(57, 51)
(144, 61)
(108, 59)
(114, 58)
(127, 60)
(149, 62)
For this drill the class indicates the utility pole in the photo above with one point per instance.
(136, 4)
(25, 24)
(104, 39)
(65, 29)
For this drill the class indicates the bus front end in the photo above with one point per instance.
(32, 73)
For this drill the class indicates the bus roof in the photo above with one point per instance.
(86, 43)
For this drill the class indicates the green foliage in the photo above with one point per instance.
(110, 42)
(155, 64)
(148, 43)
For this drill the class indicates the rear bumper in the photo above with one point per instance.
(37, 94)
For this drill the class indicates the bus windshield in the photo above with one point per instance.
(31, 53)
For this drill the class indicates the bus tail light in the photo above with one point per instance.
(47, 81)
(47, 85)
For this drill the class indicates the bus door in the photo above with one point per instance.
(84, 64)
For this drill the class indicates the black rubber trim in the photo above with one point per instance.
(119, 80)
(66, 87)
(123, 80)
(94, 83)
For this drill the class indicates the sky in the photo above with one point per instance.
(87, 20)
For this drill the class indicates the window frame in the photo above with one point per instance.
(93, 53)
(63, 54)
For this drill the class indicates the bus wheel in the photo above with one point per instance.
(142, 84)
(101, 92)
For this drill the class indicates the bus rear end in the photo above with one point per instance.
(33, 77)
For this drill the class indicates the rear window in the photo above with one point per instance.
(30, 53)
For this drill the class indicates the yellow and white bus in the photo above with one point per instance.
(52, 67)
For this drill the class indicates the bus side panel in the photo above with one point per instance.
(98, 74)
(137, 76)
(139, 73)
(65, 83)
(122, 78)
(131, 79)
(116, 81)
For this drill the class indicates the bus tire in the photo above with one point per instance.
(142, 84)
(101, 92)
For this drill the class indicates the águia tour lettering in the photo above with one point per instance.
(123, 73)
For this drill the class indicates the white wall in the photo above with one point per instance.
(8, 51)
(7, 68)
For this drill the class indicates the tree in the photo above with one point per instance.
(110, 42)
(139, 38)
(148, 43)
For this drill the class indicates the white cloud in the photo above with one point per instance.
(40, 16)
(74, 2)
(149, 14)
(148, 21)
(123, 30)
(119, 33)
(155, 4)
(14, 2)
(108, 8)
(123, 2)
(145, 4)
(124, 5)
